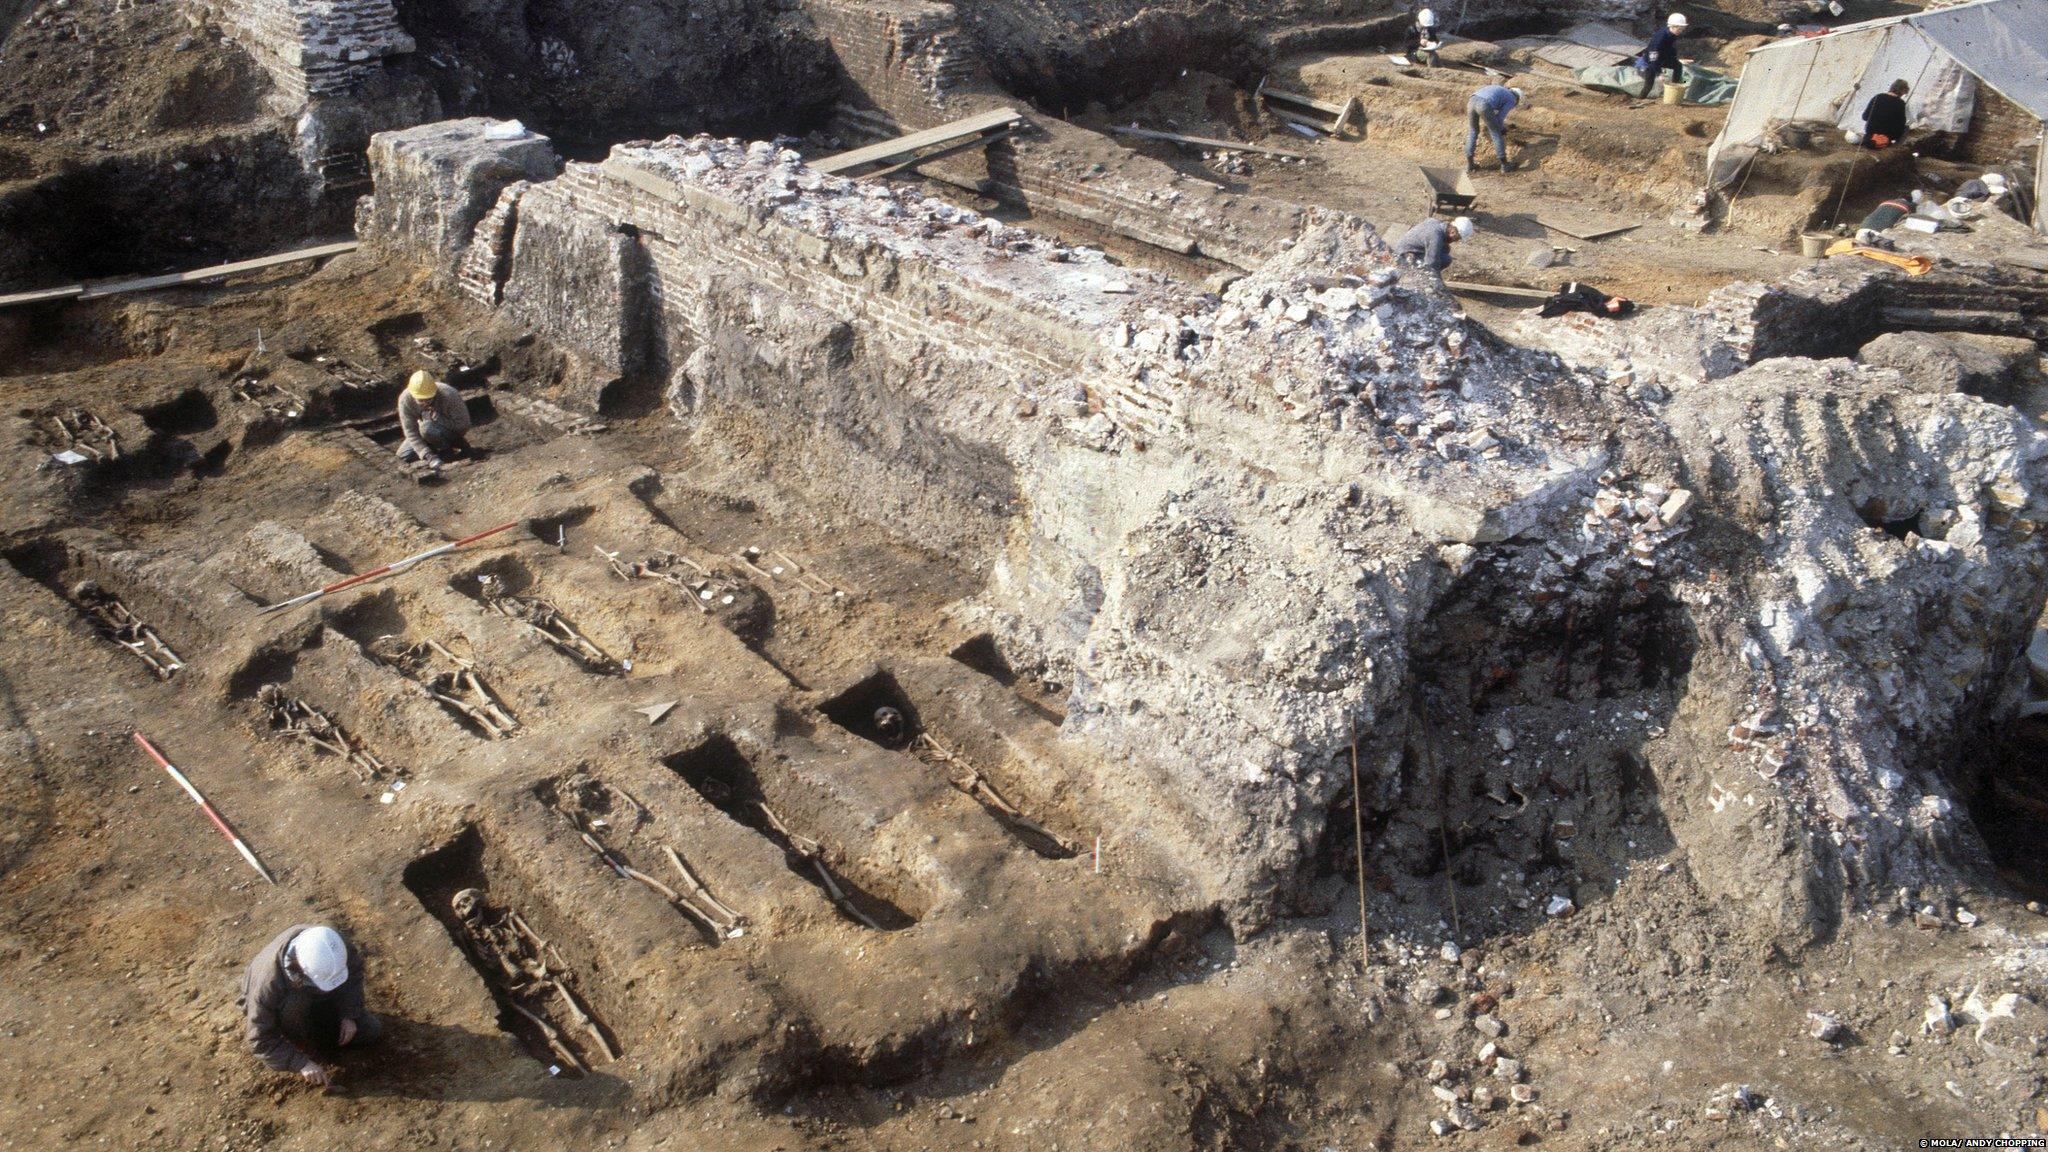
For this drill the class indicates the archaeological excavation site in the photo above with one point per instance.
(896, 575)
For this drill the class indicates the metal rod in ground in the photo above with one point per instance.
(385, 570)
(204, 807)
(1443, 805)
(1358, 836)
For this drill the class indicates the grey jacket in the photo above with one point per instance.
(1428, 244)
(265, 989)
(447, 409)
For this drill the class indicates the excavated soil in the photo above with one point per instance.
(127, 917)
(936, 973)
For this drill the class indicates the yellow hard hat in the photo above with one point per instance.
(422, 386)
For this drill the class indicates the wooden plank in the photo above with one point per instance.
(41, 295)
(1209, 142)
(904, 146)
(941, 153)
(1580, 230)
(1474, 288)
(1300, 100)
(173, 279)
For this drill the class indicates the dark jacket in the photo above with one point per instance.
(1887, 214)
(1885, 116)
(1427, 245)
(1577, 297)
(1662, 55)
(1417, 34)
(268, 994)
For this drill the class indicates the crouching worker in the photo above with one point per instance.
(434, 419)
(306, 987)
(1428, 244)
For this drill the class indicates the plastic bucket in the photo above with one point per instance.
(1812, 246)
(1674, 93)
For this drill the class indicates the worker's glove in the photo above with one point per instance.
(348, 1032)
(431, 461)
(317, 1075)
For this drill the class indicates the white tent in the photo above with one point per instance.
(1944, 53)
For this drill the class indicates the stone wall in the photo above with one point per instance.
(1240, 527)
(439, 181)
(328, 64)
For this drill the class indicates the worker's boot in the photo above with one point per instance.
(1506, 166)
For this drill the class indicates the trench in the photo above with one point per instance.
(723, 775)
(468, 862)
(385, 633)
(982, 654)
(121, 615)
(878, 710)
(505, 586)
(629, 832)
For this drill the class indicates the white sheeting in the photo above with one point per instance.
(2003, 43)
(1943, 95)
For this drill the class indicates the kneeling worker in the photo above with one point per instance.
(306, 985)
(434, 419)
(1423, 39)
(1428, 244)
(1884, 118)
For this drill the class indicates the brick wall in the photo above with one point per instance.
(905, 57)
(314, 48)
(2001, 132)
(488, 260)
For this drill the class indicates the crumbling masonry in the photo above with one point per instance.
(1248, 529)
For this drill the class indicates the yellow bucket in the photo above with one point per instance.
(1673, 93)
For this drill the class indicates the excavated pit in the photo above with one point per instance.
(724, 776)
(1146, 537)
(467, 863)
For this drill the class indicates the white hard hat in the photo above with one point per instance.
(1521, 95)
(321, 957)
(1677, 20)
(1463, 227)
(1853, 136)
(1426, 18)
(1994, 181)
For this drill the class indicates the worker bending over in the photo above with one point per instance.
(1423, 39)
(1490, 106)
(1662, 54)
(435, 420)
(306, 986)
(1428, 244)
(1884, 118)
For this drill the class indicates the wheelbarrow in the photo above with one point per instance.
(1453, 191)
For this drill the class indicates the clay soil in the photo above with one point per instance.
(1141, 1025)
(1028, 1001)
(1628, 163)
